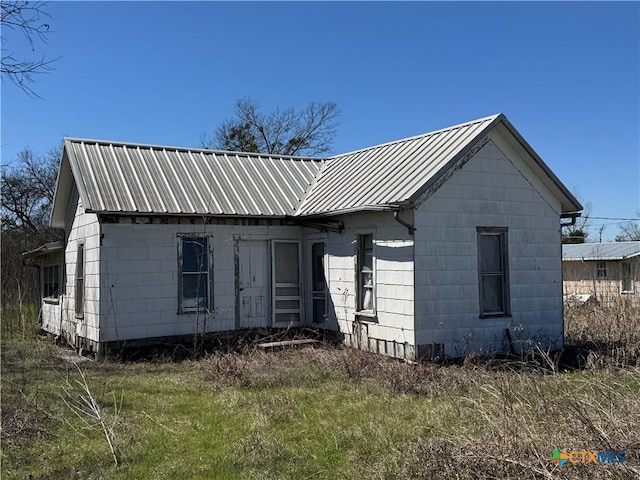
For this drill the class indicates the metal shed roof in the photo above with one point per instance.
(600, 251)
(117, 177)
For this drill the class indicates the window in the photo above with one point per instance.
(601, 269)
(493, 272)
(193, 266)
(365, 297)
(627, 278)
(80, 281)
(51, 281)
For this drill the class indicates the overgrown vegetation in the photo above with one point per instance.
(325, 412)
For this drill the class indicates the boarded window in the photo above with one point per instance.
(51, 281)
(365, 280)
(627, 278)
(193, 263)
(493, 271)
(80, 281)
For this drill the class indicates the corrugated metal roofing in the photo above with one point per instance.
(130, 178)
(600, 251)
(391, 173)
(116, 177)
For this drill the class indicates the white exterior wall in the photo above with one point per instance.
(51, 307)
(81, 228)
(495, 188)
(139, 265)
(392, 331)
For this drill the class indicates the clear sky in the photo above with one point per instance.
(567, 75)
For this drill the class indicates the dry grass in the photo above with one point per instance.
(511, 412)
(331, 412)
(603, 336)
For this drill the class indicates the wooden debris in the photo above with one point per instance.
(287, 343)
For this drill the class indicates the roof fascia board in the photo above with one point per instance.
(181, 215)
(472, 147)
(64, 187)
(362, 208)
(77, 176)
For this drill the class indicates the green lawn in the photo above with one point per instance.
(317, 413)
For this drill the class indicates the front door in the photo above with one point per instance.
(252, 284)
(287, 298)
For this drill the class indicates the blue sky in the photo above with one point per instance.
(567, 75)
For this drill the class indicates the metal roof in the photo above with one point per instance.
(600, 251)
(114, 177)
(45, 249)
(117, 177)
(389, 174)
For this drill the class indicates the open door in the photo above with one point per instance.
(287, 298)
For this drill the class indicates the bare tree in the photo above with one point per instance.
(30, 19)
(629, 231)
(283, 132)
(27, 187)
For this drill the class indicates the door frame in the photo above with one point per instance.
(274, 285)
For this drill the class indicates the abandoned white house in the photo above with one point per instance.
(434, 244)
(603, 272)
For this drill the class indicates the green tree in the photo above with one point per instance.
(283, 132)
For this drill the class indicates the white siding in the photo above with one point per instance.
(81, 228)
(494, 189)
(140, 278)
(392, 331)
(51, 308)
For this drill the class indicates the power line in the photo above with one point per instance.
(616, 218)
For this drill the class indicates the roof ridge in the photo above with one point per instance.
(188, 149)
(415, 137)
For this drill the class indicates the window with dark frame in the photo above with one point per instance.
(80, 281)
(193, 266)
(627, 278)
(51, 281)
(601, 269)
(365, 281)
(493, 272)
(318, 283)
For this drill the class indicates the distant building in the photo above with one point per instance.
(602, 272)
(427, 246)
